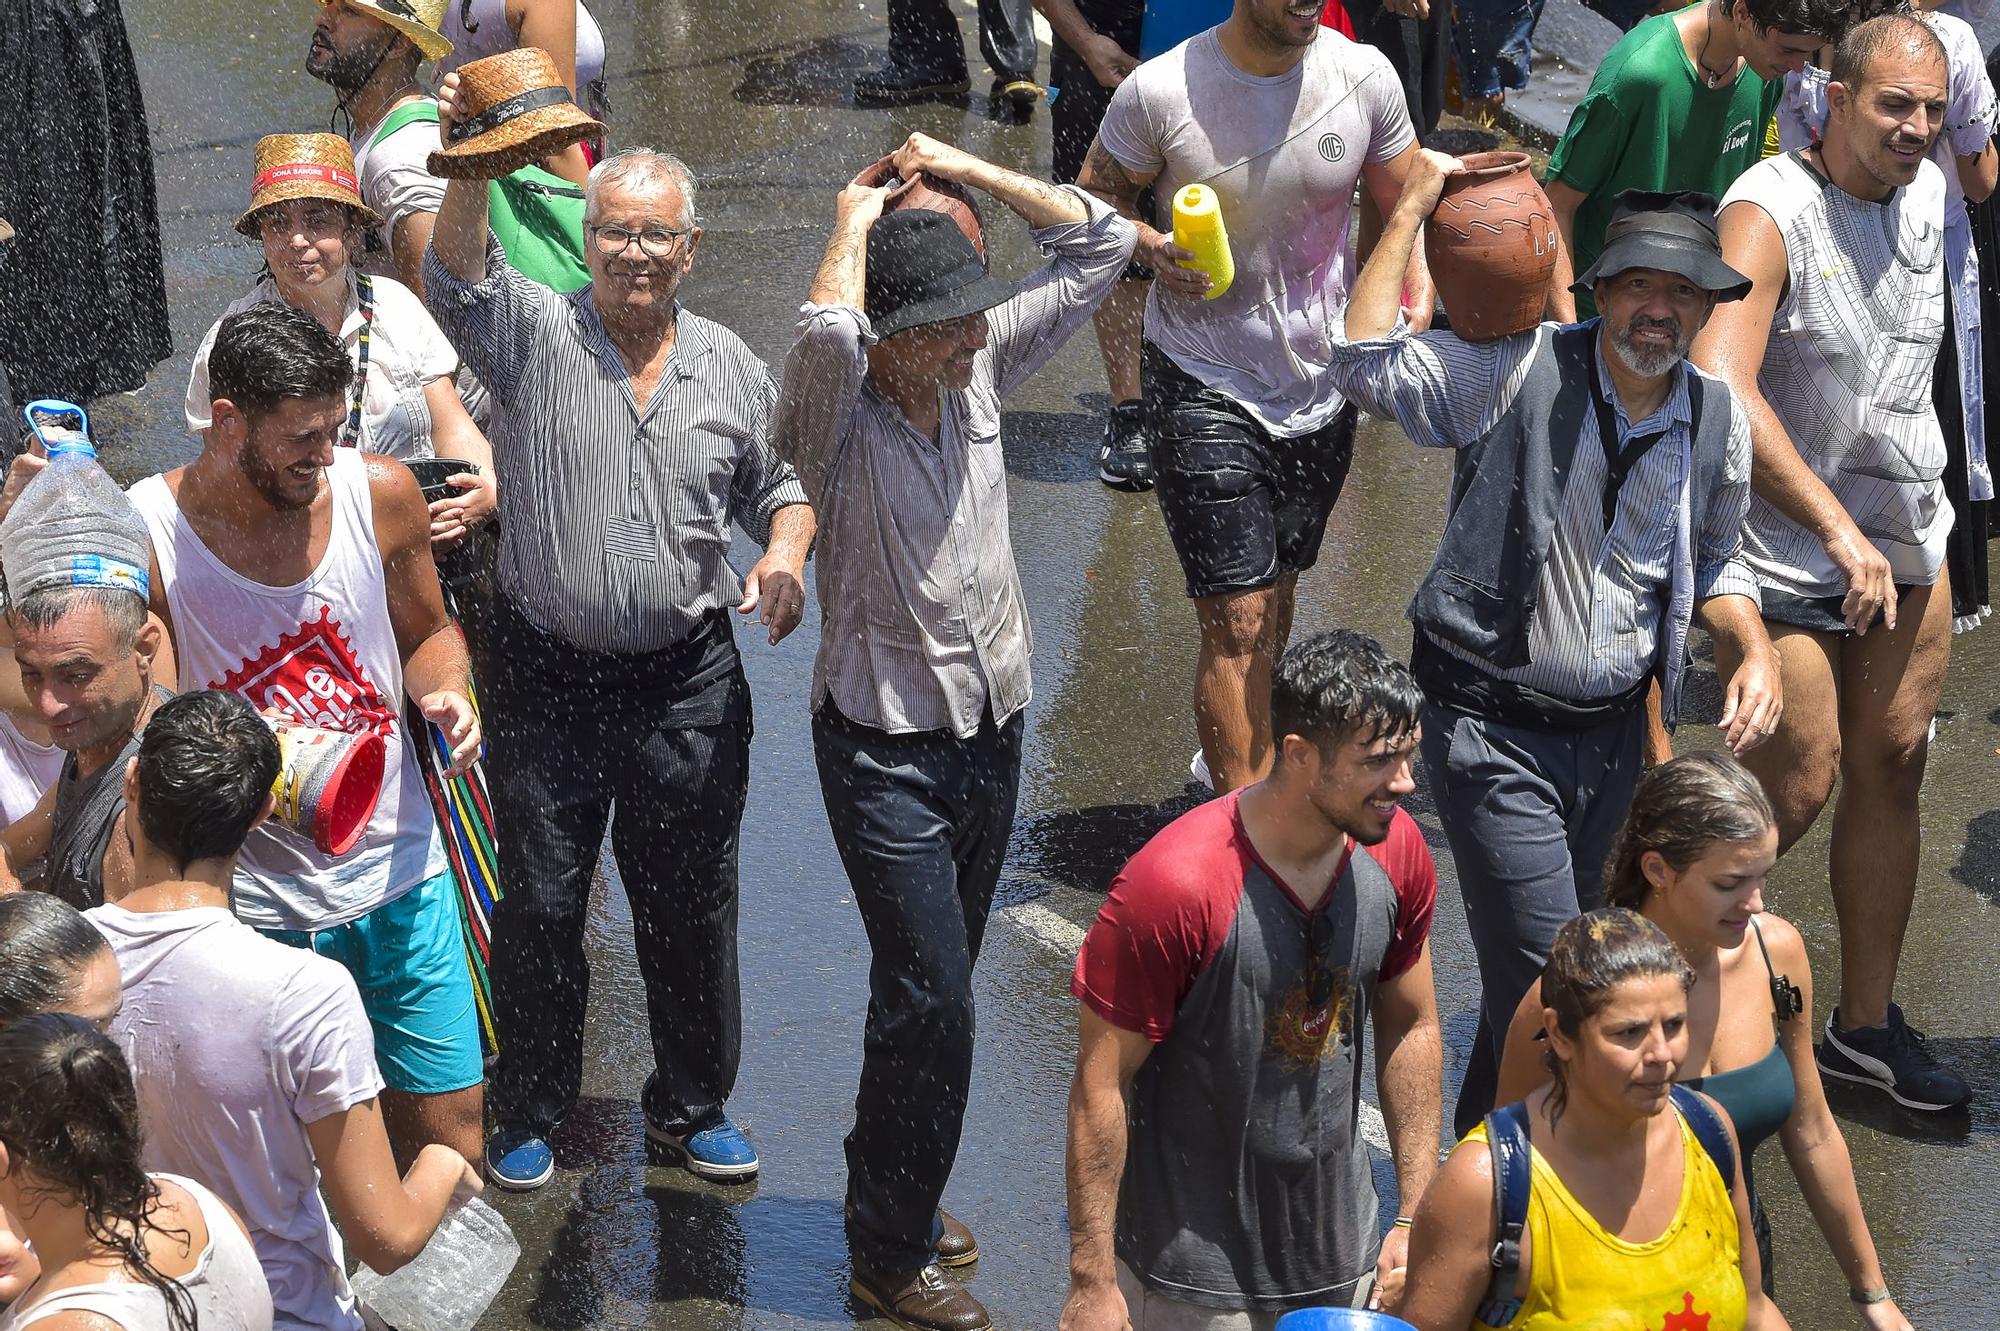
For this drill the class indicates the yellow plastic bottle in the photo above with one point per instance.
(1198, 229)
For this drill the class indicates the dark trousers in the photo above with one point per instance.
(924, 34)
(1529, 815)
(578, 740)
(921, 821)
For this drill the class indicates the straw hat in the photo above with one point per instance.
(422, 21)
(517, 111)
(304, 166)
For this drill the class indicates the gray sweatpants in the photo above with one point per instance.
(1529, 815)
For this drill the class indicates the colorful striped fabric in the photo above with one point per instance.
(465, 818)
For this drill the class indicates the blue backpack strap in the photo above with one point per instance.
(1513, 1180)
(1710, 1131)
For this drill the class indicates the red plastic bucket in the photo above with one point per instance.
(328, 783)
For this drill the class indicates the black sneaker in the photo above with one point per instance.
(898, 84)
(1893, 1058)
(1125, 458)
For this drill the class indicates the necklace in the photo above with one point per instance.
(1708, 76)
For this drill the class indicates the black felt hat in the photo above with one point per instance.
(922, 269)
(1672, 232)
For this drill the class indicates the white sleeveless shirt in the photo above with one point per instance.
(322, 652)
(26, 770)
(1848, 370)
(227, 1284)
(490, 34)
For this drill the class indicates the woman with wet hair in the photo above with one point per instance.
(1692, 857)
(1628, 1219)
(52, 960)
(118, 1247)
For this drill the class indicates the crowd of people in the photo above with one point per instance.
(463, 424)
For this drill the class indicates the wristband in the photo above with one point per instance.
(1866, 1297)
(1404, 1222)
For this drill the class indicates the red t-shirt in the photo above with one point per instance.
(1172, 906)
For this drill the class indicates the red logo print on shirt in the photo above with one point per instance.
(313, 677)
(1304, 1023)
(1687, 1319)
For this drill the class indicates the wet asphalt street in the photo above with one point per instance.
(752, 94)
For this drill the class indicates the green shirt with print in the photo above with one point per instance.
(1649, 121)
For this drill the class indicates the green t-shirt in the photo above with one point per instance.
(1648, 122)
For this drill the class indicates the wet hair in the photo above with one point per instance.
(272, 353)
(71, 1115)
(1865, 43)
(45, 943)
(1593, 954)
(642, 166)
(124, 610)
(1680, 809)
(206, 763)
(1823, 19)
(1337, 683)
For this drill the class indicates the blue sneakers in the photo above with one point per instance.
(720, 1151)
(519, 1159)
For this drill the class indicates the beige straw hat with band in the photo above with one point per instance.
(304, 166)
(517, 111)
(422, 21)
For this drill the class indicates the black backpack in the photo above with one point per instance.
(1513, 1180)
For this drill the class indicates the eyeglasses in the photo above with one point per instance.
(657, 242)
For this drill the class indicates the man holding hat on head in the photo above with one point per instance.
(1597, 507)
(890, 411)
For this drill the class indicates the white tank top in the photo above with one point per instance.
(227, 1285)
(26, 770)
(322, 652)
(490, 34)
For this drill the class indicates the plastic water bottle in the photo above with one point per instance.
(453, 1281)
(72, 525)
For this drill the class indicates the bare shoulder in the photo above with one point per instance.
(1785, 944)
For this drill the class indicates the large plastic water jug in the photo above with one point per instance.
(453, 1281)
(73, 526)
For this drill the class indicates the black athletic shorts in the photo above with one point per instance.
(1241, 506)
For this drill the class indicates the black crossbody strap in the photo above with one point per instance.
(1618, 463)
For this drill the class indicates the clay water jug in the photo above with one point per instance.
(1491, 245)
(920, 191)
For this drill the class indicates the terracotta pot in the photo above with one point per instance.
(920, 191)
(1491, 245)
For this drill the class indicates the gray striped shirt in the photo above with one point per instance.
(615, 520)
(923, 626)
(1596, 630)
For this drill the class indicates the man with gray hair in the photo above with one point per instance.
(630, 436)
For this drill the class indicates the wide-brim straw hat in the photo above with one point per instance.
(304, 166)
(517, 111)
(422, 21)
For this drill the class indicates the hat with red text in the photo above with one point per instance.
(304, 166)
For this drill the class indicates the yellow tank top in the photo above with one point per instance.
(1584, 1279)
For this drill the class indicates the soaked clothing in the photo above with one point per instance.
(1283, 155)
(82, 282)
(1848, 370)
(27, 769)
(1246, 1185)
(1581, 1275)
(86, 813)
(395, 174)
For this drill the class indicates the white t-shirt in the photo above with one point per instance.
(237, 1043)
(407, 352)
(27, 769)
(1283, 156)
(226, 1286)
(395, 173)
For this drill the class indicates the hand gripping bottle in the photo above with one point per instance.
(1198, 229)
(72, 525)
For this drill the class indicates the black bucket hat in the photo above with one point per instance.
(922, 269)
(1673, 232)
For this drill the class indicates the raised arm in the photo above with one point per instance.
(458, 232)
(1108, 1057)
(1733, 346)
(1376, 302)
(1387, 182)
(1409, 1069)
(1036, 202)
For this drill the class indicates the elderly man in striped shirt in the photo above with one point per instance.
(1587, 528)
(630, 436)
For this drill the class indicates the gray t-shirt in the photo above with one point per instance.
(1283, 155)
(395, 173)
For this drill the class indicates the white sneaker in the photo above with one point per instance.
(1198, 769)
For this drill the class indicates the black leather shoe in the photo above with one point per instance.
(897, 84)
(920, 1300)
(1016, 98)
(956, 1246)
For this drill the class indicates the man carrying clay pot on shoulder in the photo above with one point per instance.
(1597, 508)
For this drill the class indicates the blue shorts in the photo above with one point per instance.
(408, 959)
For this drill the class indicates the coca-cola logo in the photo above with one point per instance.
(312, 676)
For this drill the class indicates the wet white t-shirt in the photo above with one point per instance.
(395, 173)
(407, 351)
(1283, 156)
(237, 1043)
(27, 769)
